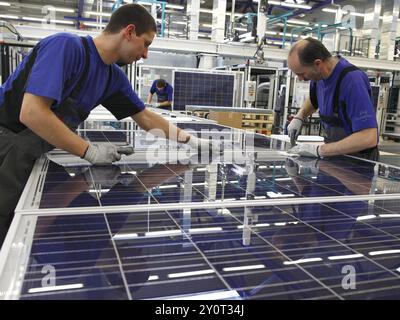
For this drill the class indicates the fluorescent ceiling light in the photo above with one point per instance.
(393, 215)
(288, 263)
(349, 256)
(174, 6)
(329, 10)
(356, 14)
(290, 5)
(7, 16)
(253, 267)
(5, 4)
(190, 273)
(33, 19)
(179, 22)
(210, 296)
(204, 230)
(378, 253)
(125, 236)
(55, 9)
(167, 186)
(300, 22)
(44, 20)
(272, 194)
(163, 233)
(94, 24)
(94, 13)
(151, 278)
(366, 217)
(56, 288)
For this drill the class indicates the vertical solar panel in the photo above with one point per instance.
(203, 89)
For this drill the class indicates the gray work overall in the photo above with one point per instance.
(20, 150)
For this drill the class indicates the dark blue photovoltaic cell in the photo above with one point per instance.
(203, 89)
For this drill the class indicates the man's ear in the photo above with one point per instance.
(129, 30)
(317, 62)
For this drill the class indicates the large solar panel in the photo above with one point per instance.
(203, 89)
(137, 230)
(285, 252)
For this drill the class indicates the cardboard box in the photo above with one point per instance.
(231, 119)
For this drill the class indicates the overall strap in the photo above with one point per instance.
(337, 89)
(85, 72)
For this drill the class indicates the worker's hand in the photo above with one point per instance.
(157, 104)
(302, 166)
(306, 150)
(294, 128)
(104, 154)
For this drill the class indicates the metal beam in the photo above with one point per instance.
(244, 51)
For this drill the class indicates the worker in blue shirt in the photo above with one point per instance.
(164, 92)
(57, 85)
(342, 94)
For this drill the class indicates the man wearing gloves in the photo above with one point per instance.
(60, 81)
(342, 94)
(164, 92)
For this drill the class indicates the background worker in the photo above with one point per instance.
(164, 92)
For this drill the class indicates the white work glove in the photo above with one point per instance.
(302, 166)
(306, 150)
(157, 104)
(104, 154)
(294, 128)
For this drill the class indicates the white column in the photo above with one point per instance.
(261, 21)
(371, 25)
(193, 11)
(218, 21)
(389, 29)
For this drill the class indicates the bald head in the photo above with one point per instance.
(306, 56)
(308, 50)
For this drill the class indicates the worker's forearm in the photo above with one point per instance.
(165, 104)
(306, 110)
(356, 142)
(151, 121)
(41, 120)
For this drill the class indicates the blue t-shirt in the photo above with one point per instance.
(53, 70)
(165, 94)
(355, 91)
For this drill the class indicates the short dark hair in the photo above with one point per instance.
(161, 83)
(132, 13)
(312, 51)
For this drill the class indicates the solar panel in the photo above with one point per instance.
(203, 89)
(136, 230)
(286, 252)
